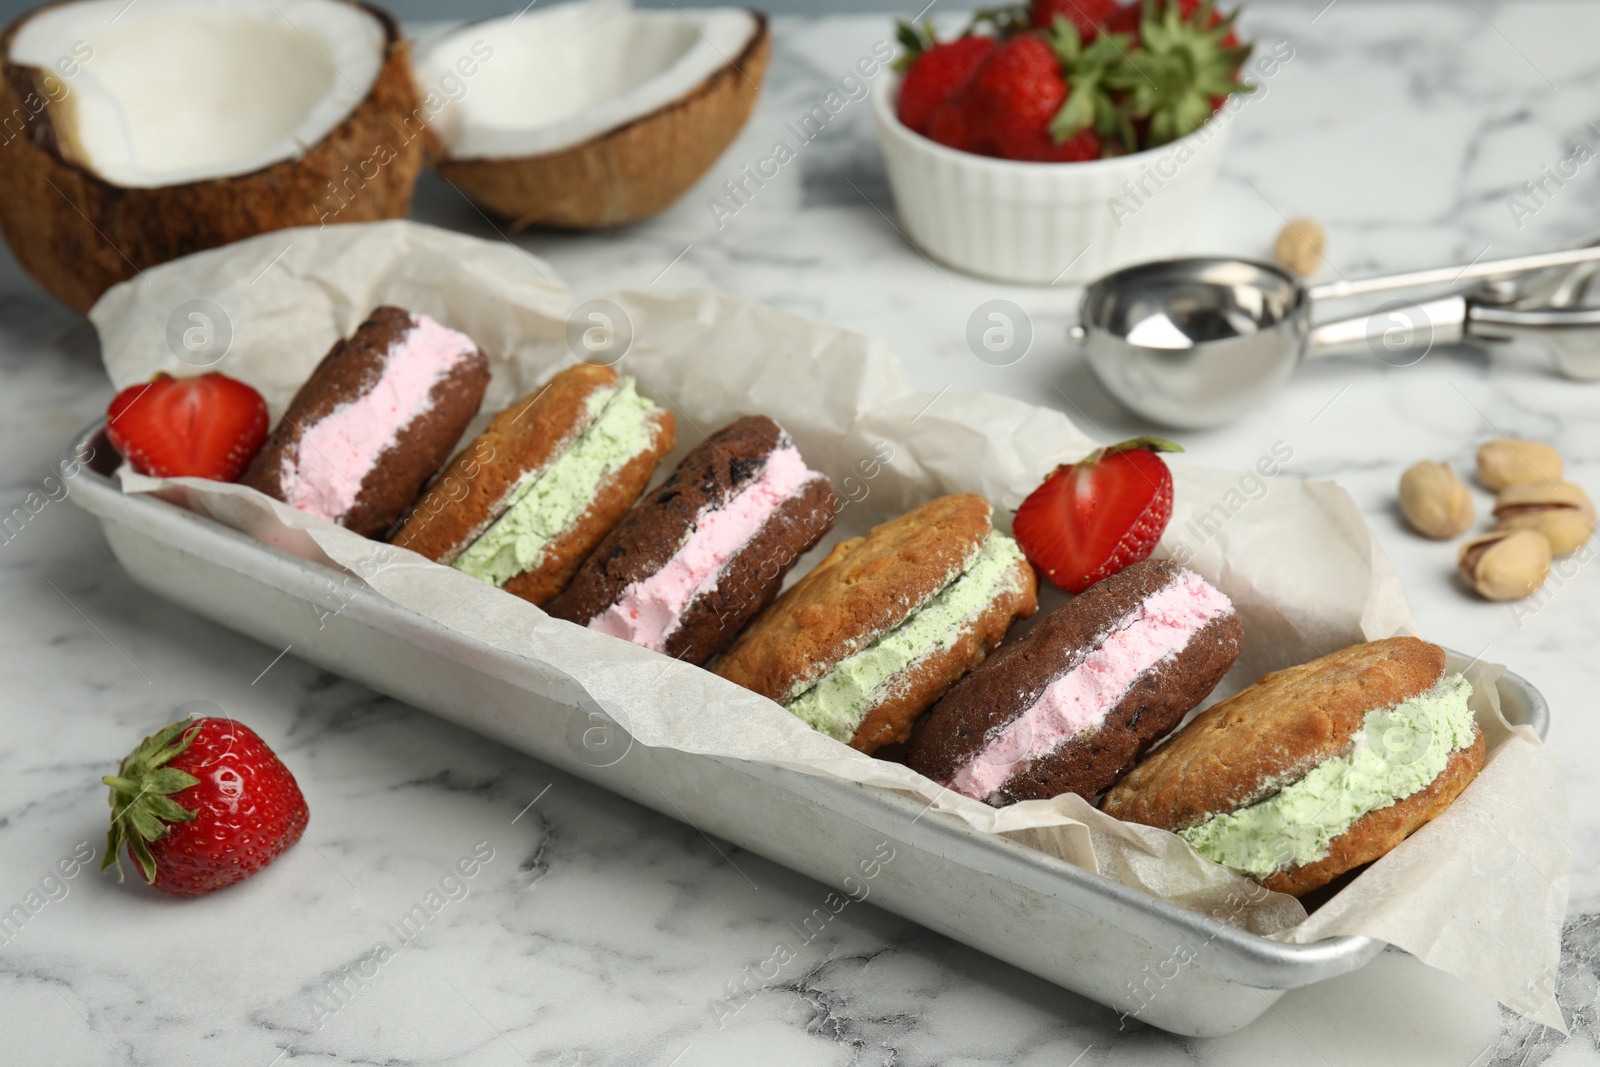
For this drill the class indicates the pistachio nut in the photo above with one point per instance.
(1506, 564)
(1508, 461)
(1434, 501)
(1561, 511)
(1300, 247)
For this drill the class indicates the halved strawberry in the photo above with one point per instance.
(1092, 518)
(209, 426)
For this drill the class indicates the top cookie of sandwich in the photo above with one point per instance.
(1237, 752)
(865, 586)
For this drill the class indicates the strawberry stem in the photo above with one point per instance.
(1147, 442)
(142, 807)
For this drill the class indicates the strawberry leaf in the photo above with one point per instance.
(168, 810)
(1075, 116)
(143, 857)
(142, 807)
(147, 825)
(1065, 42)
(915, 42)
(1180, 68)
(1088, 70)
(169, 780)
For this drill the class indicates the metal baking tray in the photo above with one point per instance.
(1078, 930)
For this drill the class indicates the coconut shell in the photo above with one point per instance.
(78, 234)
(630, 172)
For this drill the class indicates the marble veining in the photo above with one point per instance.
(600, 933)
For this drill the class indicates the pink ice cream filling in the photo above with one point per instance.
(337, 451)
(649, 610)
(1081, 699)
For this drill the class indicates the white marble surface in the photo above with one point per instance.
(599, 931)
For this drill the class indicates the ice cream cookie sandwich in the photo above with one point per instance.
(375, 419)
(861, 645)
(1071, 705)
(706, 550)
(1315, 769)
(524, 504)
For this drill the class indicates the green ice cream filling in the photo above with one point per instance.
(546, 502)
(838, 702)
(1398, 751)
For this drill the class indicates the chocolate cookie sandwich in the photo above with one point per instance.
(707, 549)
(1316, 769)
(1071, 706)
(860, 647)
(375, 419)
(524, 503)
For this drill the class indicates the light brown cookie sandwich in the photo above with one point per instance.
(877, 632)
(523, 504)
(1315, 769)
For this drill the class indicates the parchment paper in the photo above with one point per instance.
(1480, 892)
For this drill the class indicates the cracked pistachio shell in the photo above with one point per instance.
(1506, 564)
(1561, 511)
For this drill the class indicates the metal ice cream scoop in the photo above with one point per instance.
(1194, 343)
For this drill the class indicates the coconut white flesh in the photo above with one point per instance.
(556, 77)
(188, 90)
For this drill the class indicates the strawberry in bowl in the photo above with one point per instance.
(1061, 139)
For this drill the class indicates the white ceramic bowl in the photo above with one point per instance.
(1045, 223)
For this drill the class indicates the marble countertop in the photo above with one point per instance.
(599, 931)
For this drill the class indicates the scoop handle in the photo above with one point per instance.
(1395, 334)
(1453, 275)
(1571, 334)
(1401, 334)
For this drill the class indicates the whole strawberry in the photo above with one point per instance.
(1042, 147)
(208, 426)
(1017, 92)
(936, 73)
(1185, 67)
(201, 804)
(957, 124)
(1092, 518)
(1126, 20)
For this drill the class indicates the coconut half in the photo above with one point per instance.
(131, 134)
(591, 114)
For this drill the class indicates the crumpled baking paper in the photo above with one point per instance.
(1480, 892)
